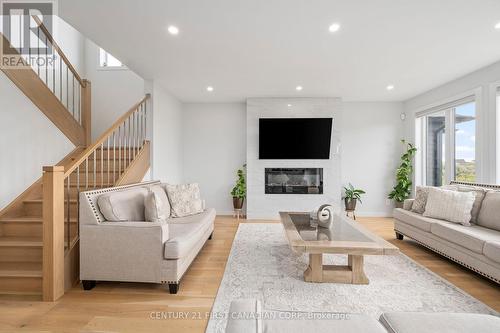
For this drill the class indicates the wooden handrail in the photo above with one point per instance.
(90, 150)
(58, 49)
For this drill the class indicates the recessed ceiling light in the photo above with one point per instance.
(173, 30)
(497, 26)
(298, 88)
(210, 88)
(289, 105)
(390, 87)
(334, 27)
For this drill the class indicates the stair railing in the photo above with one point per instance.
(116, 149)
(58, 73)
(47, 60)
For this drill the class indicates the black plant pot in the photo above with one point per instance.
(350, 204)
(238, 203)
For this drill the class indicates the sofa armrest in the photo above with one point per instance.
(408, 204)
(245, 316)
(122, 251)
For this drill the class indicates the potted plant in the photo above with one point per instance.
(351, 197)
(402, 190)
(239, 191)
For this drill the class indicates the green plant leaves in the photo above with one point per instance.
(402, 190)
(353, 193)
(240, 189)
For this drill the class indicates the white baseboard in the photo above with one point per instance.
(225, 213)
(374, 214)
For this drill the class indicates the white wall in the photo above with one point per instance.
(267, 206)
(72, 42)
(481, 81)
(214, 147)
(371, 151)
(114, 91)
(166, 134)
(28, 141)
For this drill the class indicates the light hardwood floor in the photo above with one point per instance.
(129, 307)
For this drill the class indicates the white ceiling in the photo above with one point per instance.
(259, 48)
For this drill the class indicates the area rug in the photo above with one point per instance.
(261, 265)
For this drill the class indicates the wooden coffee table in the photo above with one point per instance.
(344, 237)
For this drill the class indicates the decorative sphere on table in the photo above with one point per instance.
(325, 216)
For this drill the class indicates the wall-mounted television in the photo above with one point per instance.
(295, 138)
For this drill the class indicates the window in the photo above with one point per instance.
(435, 138)
(447, 142)
(106, 60)
(465, 142)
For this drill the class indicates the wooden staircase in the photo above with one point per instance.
(21, 241)
(21, 223)
(39, 230)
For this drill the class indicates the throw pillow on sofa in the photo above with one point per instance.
(123, 206)
(489, 216)
(449, 205)
(420, 199)
(157, 206)
(480, 194)
(184, 199)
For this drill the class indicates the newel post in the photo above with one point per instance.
(53, 233)
(86, 111)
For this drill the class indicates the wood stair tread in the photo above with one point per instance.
(21, 241)
(40, 201)
(21, 269)
(27, 219)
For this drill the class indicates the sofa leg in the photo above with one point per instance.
(88, 284)
(399, 236)
(211, 235)
(173, 288)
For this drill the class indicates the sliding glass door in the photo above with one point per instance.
(446, 139)
(435, 159)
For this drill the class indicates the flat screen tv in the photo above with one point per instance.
(295, 138)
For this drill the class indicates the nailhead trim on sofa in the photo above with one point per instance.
(449, 257)
(112, 189)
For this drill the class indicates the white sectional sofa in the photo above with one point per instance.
(476, 247)
(138, 251)
(248, 316)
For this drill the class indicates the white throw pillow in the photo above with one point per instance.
(451, 206)
(157, 206)
(184, 199)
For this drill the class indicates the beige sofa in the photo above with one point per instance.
(476, 247)
(247, 316)
(138, 251)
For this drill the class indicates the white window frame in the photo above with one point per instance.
(108, 68)
(494, 92)
(447, 105)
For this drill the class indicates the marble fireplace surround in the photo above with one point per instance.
(267, 206)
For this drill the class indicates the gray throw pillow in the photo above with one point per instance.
(420, 199)
(123, 205)
(157, 206)
(480, 194)
(489, 215)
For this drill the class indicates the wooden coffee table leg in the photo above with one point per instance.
(356, 263)
(353, 273)
(314, 272)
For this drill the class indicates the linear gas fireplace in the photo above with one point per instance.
(294, 181)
